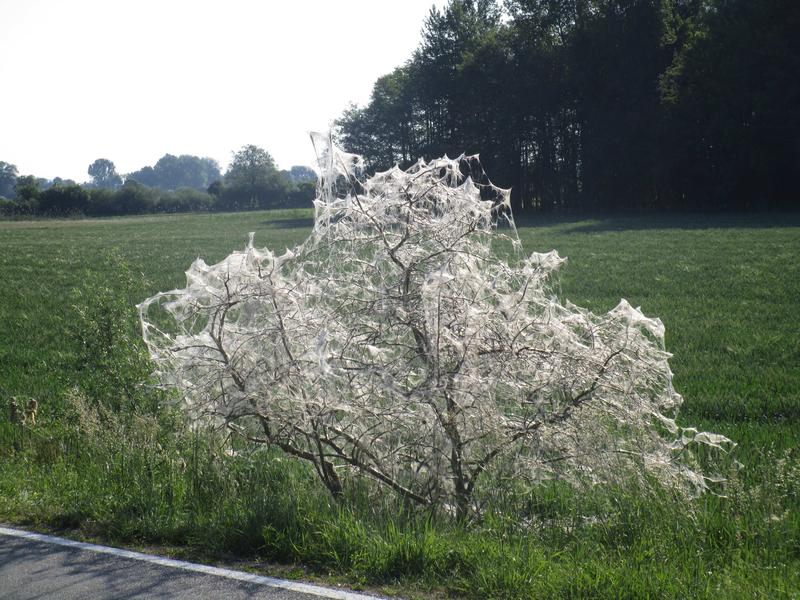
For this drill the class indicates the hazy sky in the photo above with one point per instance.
(131, 80)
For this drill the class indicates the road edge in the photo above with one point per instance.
(274, 582)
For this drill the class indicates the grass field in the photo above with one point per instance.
(726, 288)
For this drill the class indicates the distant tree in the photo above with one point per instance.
(102, 202)
(733, 97)
(133, 198)
(355, 130)
(216, 188)
(64, 199)
(8, 207)
(104, 174)
(384, 130)
(300, 174)
(8, 179)
(174, 172)
(253, 180)
(250, 166)
(302, 195)
(27, 189)
(302, 186)
(62, 182)
(146, 176)
(606, 105)
(198, 173)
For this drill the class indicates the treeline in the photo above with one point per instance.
(174, 184)
(601, 105)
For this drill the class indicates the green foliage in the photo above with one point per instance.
(135, 199)
(302, 195)
(216, 188)
(111, 363)
(58, 181)
(101, 202)
(600, 105)
(175, 172)
(300, 174)
(253, 181)
(185, 200)
(27, 190)
(63, 200)
(732, 92)
(176, 184)
(8, 179)
(9, 207)
(104, 174)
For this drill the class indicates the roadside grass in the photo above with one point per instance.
(727, 289)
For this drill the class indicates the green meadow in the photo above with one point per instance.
(109, 458)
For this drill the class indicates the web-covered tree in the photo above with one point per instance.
(396, 343)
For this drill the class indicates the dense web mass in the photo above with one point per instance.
(397, 343)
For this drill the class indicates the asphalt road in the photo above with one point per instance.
(39, 567)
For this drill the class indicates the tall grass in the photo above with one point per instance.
(144, 480)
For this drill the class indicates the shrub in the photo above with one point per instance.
(397, 344)
(111, 365)
(184, 200)
(64, 200)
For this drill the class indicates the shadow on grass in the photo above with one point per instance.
(654, 221)
(295, 223)
(607, 223)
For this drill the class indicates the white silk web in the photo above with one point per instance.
(397, 344)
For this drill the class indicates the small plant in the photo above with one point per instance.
(395, 343)
(112, 365)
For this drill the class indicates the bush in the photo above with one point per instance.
(302, 195)
(395, 344)
(63, 200)
(8, 207)
(184, 200)
(111, 366)
(134, 198)
(102, 203)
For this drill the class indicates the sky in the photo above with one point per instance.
(132, 80)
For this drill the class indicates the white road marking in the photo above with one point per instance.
(294, 586)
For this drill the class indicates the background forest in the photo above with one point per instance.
(601, 105)
(174, 184)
